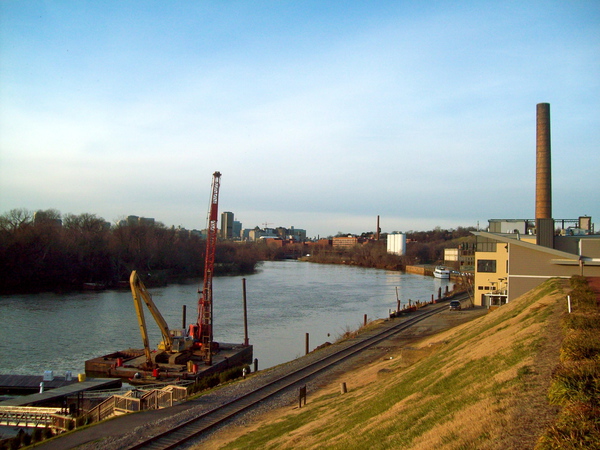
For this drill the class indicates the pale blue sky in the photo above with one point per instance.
(319, 114)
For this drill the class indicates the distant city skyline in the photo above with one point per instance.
(319, 114)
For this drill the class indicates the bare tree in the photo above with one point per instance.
(15, 219)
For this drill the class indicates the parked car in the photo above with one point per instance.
(455, 305)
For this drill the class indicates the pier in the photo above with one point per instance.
(31, 417)
(59, 395)
(30, 384)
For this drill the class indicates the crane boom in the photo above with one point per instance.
(203, 332)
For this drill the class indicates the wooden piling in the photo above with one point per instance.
(246, 340)
(306, 342)
(302, 396)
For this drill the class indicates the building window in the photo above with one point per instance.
(486, 265)
(486, 245)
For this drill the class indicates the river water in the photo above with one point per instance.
(285, 300)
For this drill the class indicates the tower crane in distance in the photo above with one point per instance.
(202, 330)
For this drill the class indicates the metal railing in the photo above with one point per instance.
(103, 410)
(35, 417)
(138, 400)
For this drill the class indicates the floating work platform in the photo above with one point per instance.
(59, 394)
(127, 363)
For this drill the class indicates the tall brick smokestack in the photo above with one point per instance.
(543, 185)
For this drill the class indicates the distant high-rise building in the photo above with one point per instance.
(227, 225)
(47, 217)
(298, 234)
(132, 220)
(147, 221)
(237, 229)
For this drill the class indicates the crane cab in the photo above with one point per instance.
(179, 342)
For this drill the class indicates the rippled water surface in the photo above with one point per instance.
(285, 300)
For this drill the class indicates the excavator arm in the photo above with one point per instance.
(140, 317)
(139, 292)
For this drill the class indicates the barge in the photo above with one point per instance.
(130, 365)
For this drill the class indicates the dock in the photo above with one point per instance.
(59, 395)
(29, 384)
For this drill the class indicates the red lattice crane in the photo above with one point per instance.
(202, 331)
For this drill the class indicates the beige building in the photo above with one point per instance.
(345, 241)
(509, 264)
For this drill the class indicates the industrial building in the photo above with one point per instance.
(396, 243)
(347, 241)
(296, 235)
(461, 258)
(515, 255)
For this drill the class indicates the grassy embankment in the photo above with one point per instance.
(576, 381)
(484, 384)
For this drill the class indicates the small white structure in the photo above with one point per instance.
(48, 375)
(396, 244)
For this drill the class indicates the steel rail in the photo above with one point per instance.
(209, 419)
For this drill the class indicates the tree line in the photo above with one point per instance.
(44, 251)
(422, 247)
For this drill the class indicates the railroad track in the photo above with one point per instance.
(209, 419)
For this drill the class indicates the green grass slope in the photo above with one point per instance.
(480, 385)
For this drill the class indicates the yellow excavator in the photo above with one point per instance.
(175, 347)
